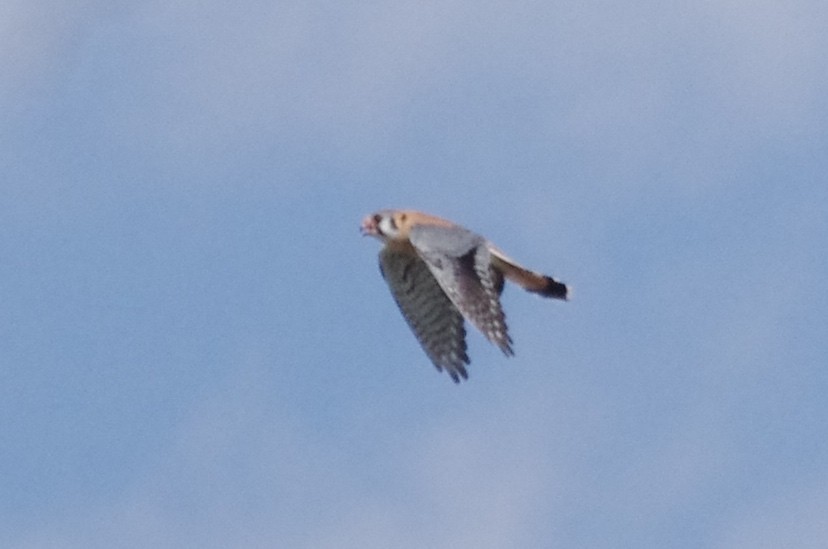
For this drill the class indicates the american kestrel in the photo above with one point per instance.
(440, 274)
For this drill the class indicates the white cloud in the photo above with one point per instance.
(767, 62)
(641, 94)
(38, 39)
(241, 474)
(794, 518)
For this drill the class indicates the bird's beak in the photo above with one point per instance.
(368, 226)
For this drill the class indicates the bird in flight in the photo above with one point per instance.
(440, 274)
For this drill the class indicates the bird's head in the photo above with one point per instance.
(396, 225)
(387, 225)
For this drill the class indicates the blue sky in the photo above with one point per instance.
(196, 346)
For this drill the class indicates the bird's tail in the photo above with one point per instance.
(530, 281)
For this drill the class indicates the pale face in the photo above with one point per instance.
(386, 225)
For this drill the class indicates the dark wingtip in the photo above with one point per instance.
(554, 289)
(462, 373)
(455, 372)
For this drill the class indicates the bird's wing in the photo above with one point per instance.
(429, 312)
(461, 262)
